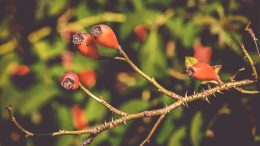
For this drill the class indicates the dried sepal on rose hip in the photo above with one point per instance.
(105, 36)
(202, 71)
(86, 45)
(70, 81)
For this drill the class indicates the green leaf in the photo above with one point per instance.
(64, 141)
(196, 133)
(144, 16)
(117, 134)
(56, 6)
(64, 117)
(36, 97)
(152, 58)
(190, 61)
(134, 106)
(82, 11)
(185, 32)
(177, 137)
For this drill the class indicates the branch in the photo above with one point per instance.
(250, 62)
(19, 126)
(147, 139)
(252, 34)
(100, 100)
(241, 90)
(150, 79)
(103, 127)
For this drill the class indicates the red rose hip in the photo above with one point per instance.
(86, 45)
(203, 71)
(70, 81)
(104, 36)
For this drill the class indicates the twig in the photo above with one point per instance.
(98, 129)
(150, 79)
(100, 100)
(147, 139)
(241, 90)
(252, 34)
(11, 113)
(232, 78)
(88, 140)
(250, 61)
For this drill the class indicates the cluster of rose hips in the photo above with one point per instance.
(86, 44)
(104, 36)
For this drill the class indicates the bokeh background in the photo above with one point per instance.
(36, 49)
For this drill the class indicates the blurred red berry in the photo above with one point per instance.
(67, 59)
(203, 71)
(86, 45)
(104, 36)
(66, 34)
(70, 81)
(79, 119)
(15, 136)
(141, 32)
(202, 53)
(20, 70)
(87, 77)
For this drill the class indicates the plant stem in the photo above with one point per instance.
(148, 78)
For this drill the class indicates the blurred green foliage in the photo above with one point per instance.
(41, 40)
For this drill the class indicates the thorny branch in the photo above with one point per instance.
(103, 127)
(180, 101)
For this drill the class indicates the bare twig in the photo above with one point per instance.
(100, 100)
(250, 61)
(147, 139)
(19, 126)
(252, 34)
(103, 127)
(88, 140)
(232, 78)
(241, 90)
(150, 79)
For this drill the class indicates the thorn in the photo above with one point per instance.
(105, 122)
(214, 94)
(209, 86)
(207, 100)
(125, 122)
(180, 108)
(220, 92)
(186, 104)
(165, 104)
(112, 119)
(194, 92)
(186, 94)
